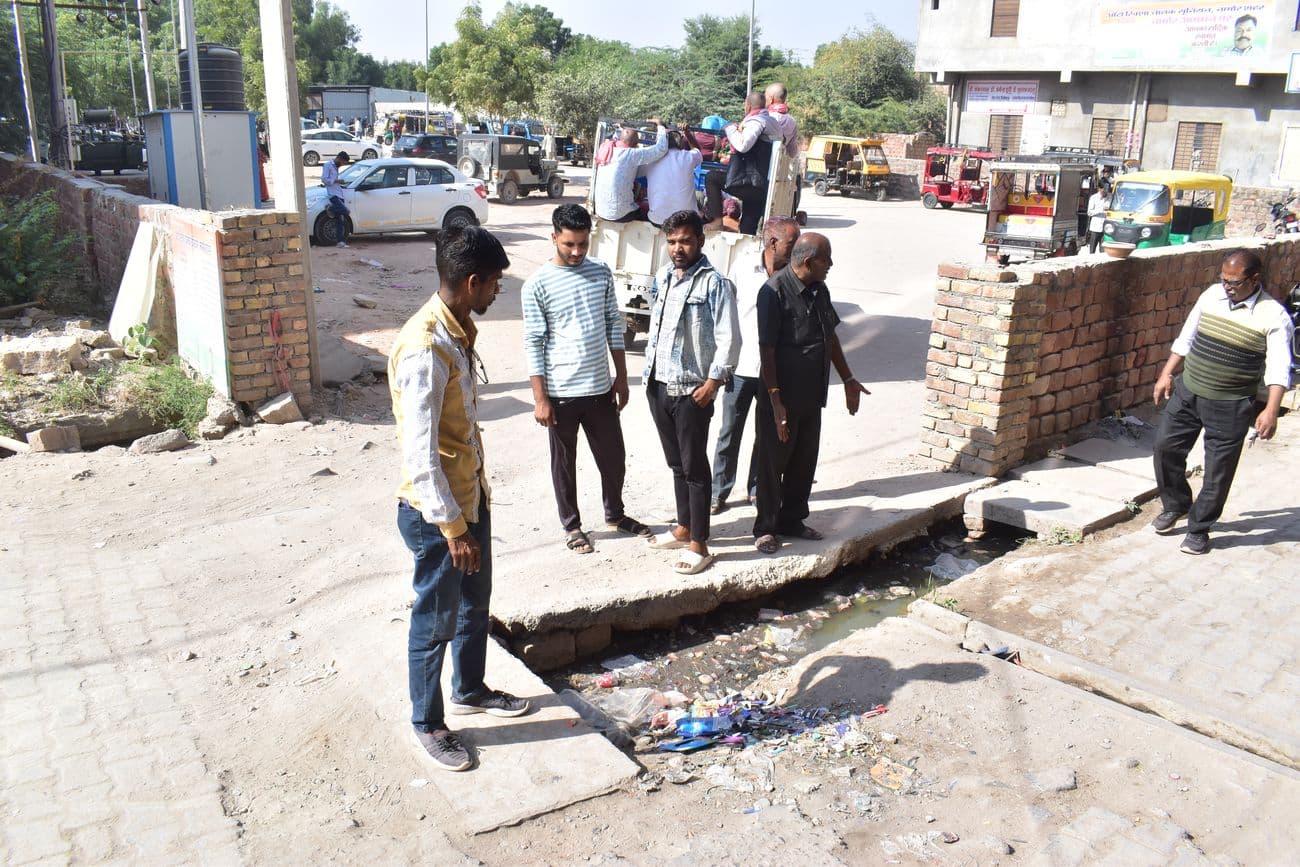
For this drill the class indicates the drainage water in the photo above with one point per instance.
(713, 654)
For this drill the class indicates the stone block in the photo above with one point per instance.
(224, 412)
(55, 438)
(1118, 456)
(55, 353)
(1098, 481)
(546, 652)
(1042, 510)
(168, 441)
(280, 410)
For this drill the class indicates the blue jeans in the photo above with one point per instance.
(449, 606)
(736, 399)
(339, 210)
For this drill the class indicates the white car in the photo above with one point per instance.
(399, 194)
(319, 145)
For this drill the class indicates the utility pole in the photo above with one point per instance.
(143, 21)
(426, 65)
(749, 66)
(130, 63)
(60, 123)
(25, 72)
(196, 98)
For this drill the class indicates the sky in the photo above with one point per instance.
(388, 35)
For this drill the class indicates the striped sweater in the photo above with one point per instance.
(1231, 350)
(571, 322)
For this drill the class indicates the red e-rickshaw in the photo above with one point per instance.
(952, 177)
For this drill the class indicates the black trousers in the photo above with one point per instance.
(741, 391)
(684, 432)
(785, 469)
(751, 204)
(1226, 423)
(597, 415)
(1094, 239)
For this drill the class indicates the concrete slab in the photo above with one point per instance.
(979, 732)
(1101, 481)
(528, 765)
(1113, 455)
(1043, 509)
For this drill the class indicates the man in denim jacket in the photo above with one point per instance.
(691, 349)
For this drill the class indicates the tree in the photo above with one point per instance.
(489, 68)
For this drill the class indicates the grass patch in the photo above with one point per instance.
(169, 395)
(79, 393)
(1058, 535)
(6, 429)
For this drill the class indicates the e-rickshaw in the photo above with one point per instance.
(1034, 207)
(953, 177)
(1159, 209)
(847, 164)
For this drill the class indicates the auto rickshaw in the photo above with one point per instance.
(1034, 207)
(1159, 209)
(952, 177)
(850, 165)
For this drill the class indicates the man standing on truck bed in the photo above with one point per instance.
(613, 194)
(571, 323)
(746, 177)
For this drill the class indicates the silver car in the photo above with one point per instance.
(399, 194)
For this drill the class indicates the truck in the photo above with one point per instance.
(636, 251)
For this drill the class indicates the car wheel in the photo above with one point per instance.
(555, 187)
(369, 154)
(846, 192)
(820, 188)
(311, 158)
(459, 218)
(324, 233)
(945, 205)
(508, 192)
(930, 201)
(468, 166)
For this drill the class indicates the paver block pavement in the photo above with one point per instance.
(1105, 482)
(1042, 509)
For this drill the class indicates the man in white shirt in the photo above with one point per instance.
(613, 194)
(670, 180)
(779, 235)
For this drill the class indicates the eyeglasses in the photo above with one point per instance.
(1235, 283)
(481, 371)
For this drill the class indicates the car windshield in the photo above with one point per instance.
(408, 141)
(1138, 198)
(352, 172)
(875, 155)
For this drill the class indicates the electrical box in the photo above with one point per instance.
(232, 173)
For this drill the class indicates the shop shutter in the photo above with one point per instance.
(1006, 17)
(1197, 147)
(1108, 134)
(1004, 133)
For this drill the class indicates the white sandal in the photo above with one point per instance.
(691, 563)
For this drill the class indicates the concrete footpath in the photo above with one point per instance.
(1208, 642)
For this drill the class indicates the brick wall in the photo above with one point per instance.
(910, 146)
(262, 274)
(1022, 358)
(1250, 206)
(261, 261)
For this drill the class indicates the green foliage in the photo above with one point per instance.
(491, 67)
(170, 395)
(33, 250)
(140, 341)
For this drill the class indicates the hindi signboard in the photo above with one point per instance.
(1001, 97)
(200, 301)
(1186, 34)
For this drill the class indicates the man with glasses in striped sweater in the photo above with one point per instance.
(572, 328)
(1235, 340)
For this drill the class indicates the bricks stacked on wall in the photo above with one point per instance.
(978, 370)
(262, 265)
(1021, 360)
(907, 146)
(905, 178)
(1251, 206)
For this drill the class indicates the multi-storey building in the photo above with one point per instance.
(1207, 85)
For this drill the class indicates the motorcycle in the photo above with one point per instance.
(1282, 220)
(1292, 305)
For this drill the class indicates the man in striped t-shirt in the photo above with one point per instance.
(571, 325)
(1235, 340)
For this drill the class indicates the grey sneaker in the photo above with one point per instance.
(445, 748)
(1164, 522)
(1195, 543)
(491, 701)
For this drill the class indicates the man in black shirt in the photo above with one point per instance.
(797, 346)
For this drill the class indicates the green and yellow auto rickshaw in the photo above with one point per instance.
(1159, 209)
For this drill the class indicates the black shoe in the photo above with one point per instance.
(445, 748)
(1195, 543)
(717, 507)
(492, 701)
(1164, 522)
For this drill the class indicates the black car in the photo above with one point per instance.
(430, 146)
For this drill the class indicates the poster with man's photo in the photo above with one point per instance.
(1186, 34)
